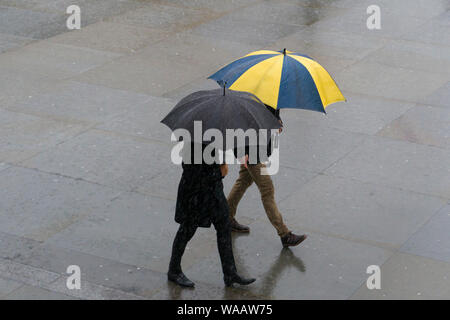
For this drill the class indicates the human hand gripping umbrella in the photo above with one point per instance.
(281, 79)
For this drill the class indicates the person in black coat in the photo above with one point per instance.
(200, 203)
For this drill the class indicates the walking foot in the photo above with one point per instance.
(237, 227)
(230, 280)
(180, 279)
(291, 239)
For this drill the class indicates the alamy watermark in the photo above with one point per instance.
(211, 146)
(74, 279)
(74, 20)
(374, 280)
(373, 22)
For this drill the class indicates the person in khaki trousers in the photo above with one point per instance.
(250, 173)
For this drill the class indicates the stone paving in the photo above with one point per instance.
(85, 176)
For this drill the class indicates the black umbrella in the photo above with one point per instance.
(221, 109)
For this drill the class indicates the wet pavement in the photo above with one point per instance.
(85, 175)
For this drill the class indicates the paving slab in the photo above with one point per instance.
(204, 291)
(91, 11)
(440, 97)
(165, 17)
(205, 52)
(283, 12)
(143, 119)
(112, 37)
(36, 293)
(28, 275)
(96, 270)
(432, 32)
(422, 8)
(31, 24)
(378, 79)
(394, 23)
(104, 157)
(3, 166)
(379, 215)
(122, 233)
(322, 3)
(359, 114)
(212, 5)
(9, 42)
(16, 85)
(322, 264)
(54, 60)
(199, 84)
(168, 64)
(422, 124)
(46, 203)
(164, 185)
(91, 291)
(399, 164)
(410, 277)
(7, 286)
(75, 101)
(55, 284)
(23, 136)
(318, 148)
(444, 18)
(257, 33)
(14, 247)
(433, 239)
(413, 55)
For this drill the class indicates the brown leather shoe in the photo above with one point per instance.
(291, 240)
(237, 227)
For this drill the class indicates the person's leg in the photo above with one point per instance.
(237, 191)
(240, 186)
(224, 244)
(222, 224)
(267, 191)
(175, 274)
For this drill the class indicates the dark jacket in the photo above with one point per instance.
(200, 197)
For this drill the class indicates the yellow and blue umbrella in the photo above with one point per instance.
(281, 79)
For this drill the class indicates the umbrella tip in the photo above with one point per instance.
(284, 51)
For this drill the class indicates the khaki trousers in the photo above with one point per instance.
(264, 183)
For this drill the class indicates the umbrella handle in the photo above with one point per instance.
(224, 85)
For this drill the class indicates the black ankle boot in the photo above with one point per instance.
(235, 278)
(180, 279)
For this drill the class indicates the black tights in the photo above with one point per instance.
(187, 231)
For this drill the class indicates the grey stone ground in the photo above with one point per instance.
(84, 171)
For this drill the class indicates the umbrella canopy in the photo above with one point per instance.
(220, 109)
(281, 79)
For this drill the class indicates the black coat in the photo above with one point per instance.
(200, 198)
